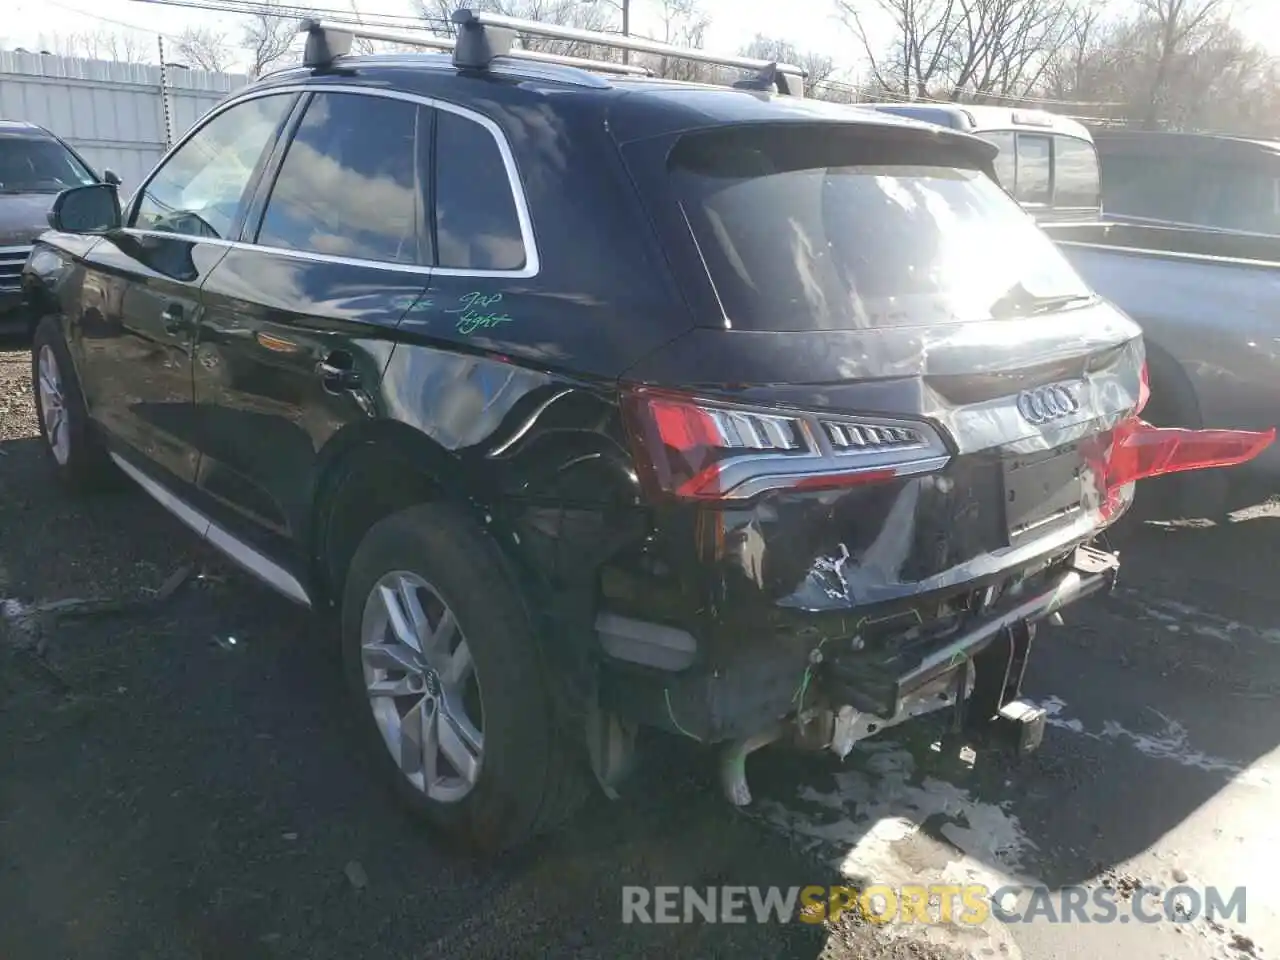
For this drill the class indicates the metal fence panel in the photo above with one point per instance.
(112, 113)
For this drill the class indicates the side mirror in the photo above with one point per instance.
(90, 209)
(111, 177)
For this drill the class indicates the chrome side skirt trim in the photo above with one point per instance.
(236, 550)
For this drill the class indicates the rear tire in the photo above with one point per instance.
(70, 439)
(440, 571)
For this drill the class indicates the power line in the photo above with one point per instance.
(114, 23)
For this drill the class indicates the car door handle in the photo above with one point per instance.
(174, 319)
(337, 372)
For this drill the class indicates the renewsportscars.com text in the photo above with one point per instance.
(968, 904)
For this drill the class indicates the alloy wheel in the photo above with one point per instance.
(422, 686)
(53, 407)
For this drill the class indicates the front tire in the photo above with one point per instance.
(70, 442)
(443, 663)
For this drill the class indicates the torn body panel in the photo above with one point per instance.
(717, 620)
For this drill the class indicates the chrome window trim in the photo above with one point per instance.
(295, 254)
(532, 262)
(136, 199)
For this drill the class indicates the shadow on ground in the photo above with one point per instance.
(182, 781)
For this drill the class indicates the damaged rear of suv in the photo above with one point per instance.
(583, 405)
(881, 456)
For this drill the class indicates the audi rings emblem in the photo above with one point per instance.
(1044, 404)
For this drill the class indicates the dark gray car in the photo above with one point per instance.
(35, 166)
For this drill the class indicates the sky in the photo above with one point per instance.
(810, 24)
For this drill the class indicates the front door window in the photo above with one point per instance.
(199, 190)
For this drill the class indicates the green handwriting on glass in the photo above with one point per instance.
(475, 312)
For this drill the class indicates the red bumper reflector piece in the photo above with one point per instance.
(853, 478)
(1139, 450)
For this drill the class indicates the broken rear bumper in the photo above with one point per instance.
(1088, 571)
(885, 679)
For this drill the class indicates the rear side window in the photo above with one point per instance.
(349, 184)
(1033, 169)
(477, 227)
(1075, 173)
(1006, 160)
(821, 228)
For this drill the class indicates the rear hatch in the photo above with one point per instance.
(874, 316)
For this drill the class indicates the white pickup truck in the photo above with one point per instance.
(1208, 301)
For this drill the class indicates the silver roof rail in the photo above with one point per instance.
(327, 40)
(484, 37)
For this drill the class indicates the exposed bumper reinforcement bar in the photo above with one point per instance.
(1089, 571)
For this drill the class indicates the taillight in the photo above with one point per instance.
(1139, 450)
(697, 449)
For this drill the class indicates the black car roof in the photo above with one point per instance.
(637, 107)
(24, 128)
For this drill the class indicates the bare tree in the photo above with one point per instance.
(1004, 47)
(923, 38)
(363, 45)
(684, 24)
(583, 14)
(961, 49)
(1083, 37)
(1176, 23)
(129, 47)
(818, 67)
(206, 48)
(269, 36)
(121, 47)
(1176, 64)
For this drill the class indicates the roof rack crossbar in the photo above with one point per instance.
(326, 40)
(483, 36)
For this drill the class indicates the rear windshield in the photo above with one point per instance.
(828, 228)
(30, 165)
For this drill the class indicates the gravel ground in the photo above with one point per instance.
(180, 780)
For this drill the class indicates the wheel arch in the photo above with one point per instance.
(1172, 393)
(368, 471)
(1175, 403)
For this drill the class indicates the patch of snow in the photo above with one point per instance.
(1172, 743)
(875, 836)
(1177, 616)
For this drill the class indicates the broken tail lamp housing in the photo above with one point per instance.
(694, 449)
(1137, 450)
(1140, 451)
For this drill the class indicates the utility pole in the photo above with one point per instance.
(164, 95)
(626, 28)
